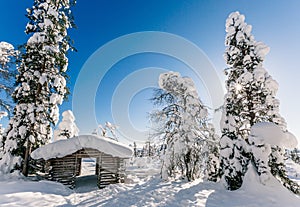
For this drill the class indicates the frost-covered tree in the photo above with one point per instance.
(108, 130)
(7, 74)
(67, 128)
(112, 129)
(250, 99)
(183, 126)
(41, 81)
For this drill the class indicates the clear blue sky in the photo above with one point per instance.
(276, 23)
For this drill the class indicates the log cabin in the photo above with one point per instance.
(62, 159)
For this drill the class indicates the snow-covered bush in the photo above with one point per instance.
(183, 125)
(108, 130)
(67, 127)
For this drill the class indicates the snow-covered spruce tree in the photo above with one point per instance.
(41, 82)
(7, 74)
(250, 99)
(67, 127)
(183, 125)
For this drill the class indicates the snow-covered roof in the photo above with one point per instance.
(65, 147)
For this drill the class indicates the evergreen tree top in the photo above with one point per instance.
(242, 51)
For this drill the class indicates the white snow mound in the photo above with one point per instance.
(65, 147)
(273, 193)
(273, 135)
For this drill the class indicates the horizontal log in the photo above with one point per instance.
(69, 174)
(107, 178)
(62, 177)
(87, 156)
(88, 149)
(109, 164)
(107, 167)
(61, 170)
(87, 152)
(108, 172)
(107, 175)
(106, 183)
(64, 159)
(65, 164)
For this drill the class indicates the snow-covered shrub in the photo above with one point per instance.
(67, 127)
(108, 130)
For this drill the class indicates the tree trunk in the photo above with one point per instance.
(26, 158)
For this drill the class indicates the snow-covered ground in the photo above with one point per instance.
(144, 187)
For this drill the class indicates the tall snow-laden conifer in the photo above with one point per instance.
(41, 81)
(184, 127)
(250, 99)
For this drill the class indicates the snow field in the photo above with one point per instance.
(147, 190)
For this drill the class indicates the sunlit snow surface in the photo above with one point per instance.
(143, 187)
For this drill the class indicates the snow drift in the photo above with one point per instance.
(271, 133)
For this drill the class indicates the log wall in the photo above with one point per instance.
(109, 169)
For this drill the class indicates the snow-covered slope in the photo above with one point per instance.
(65, 147)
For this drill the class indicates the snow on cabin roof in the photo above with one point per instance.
(65, 147)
